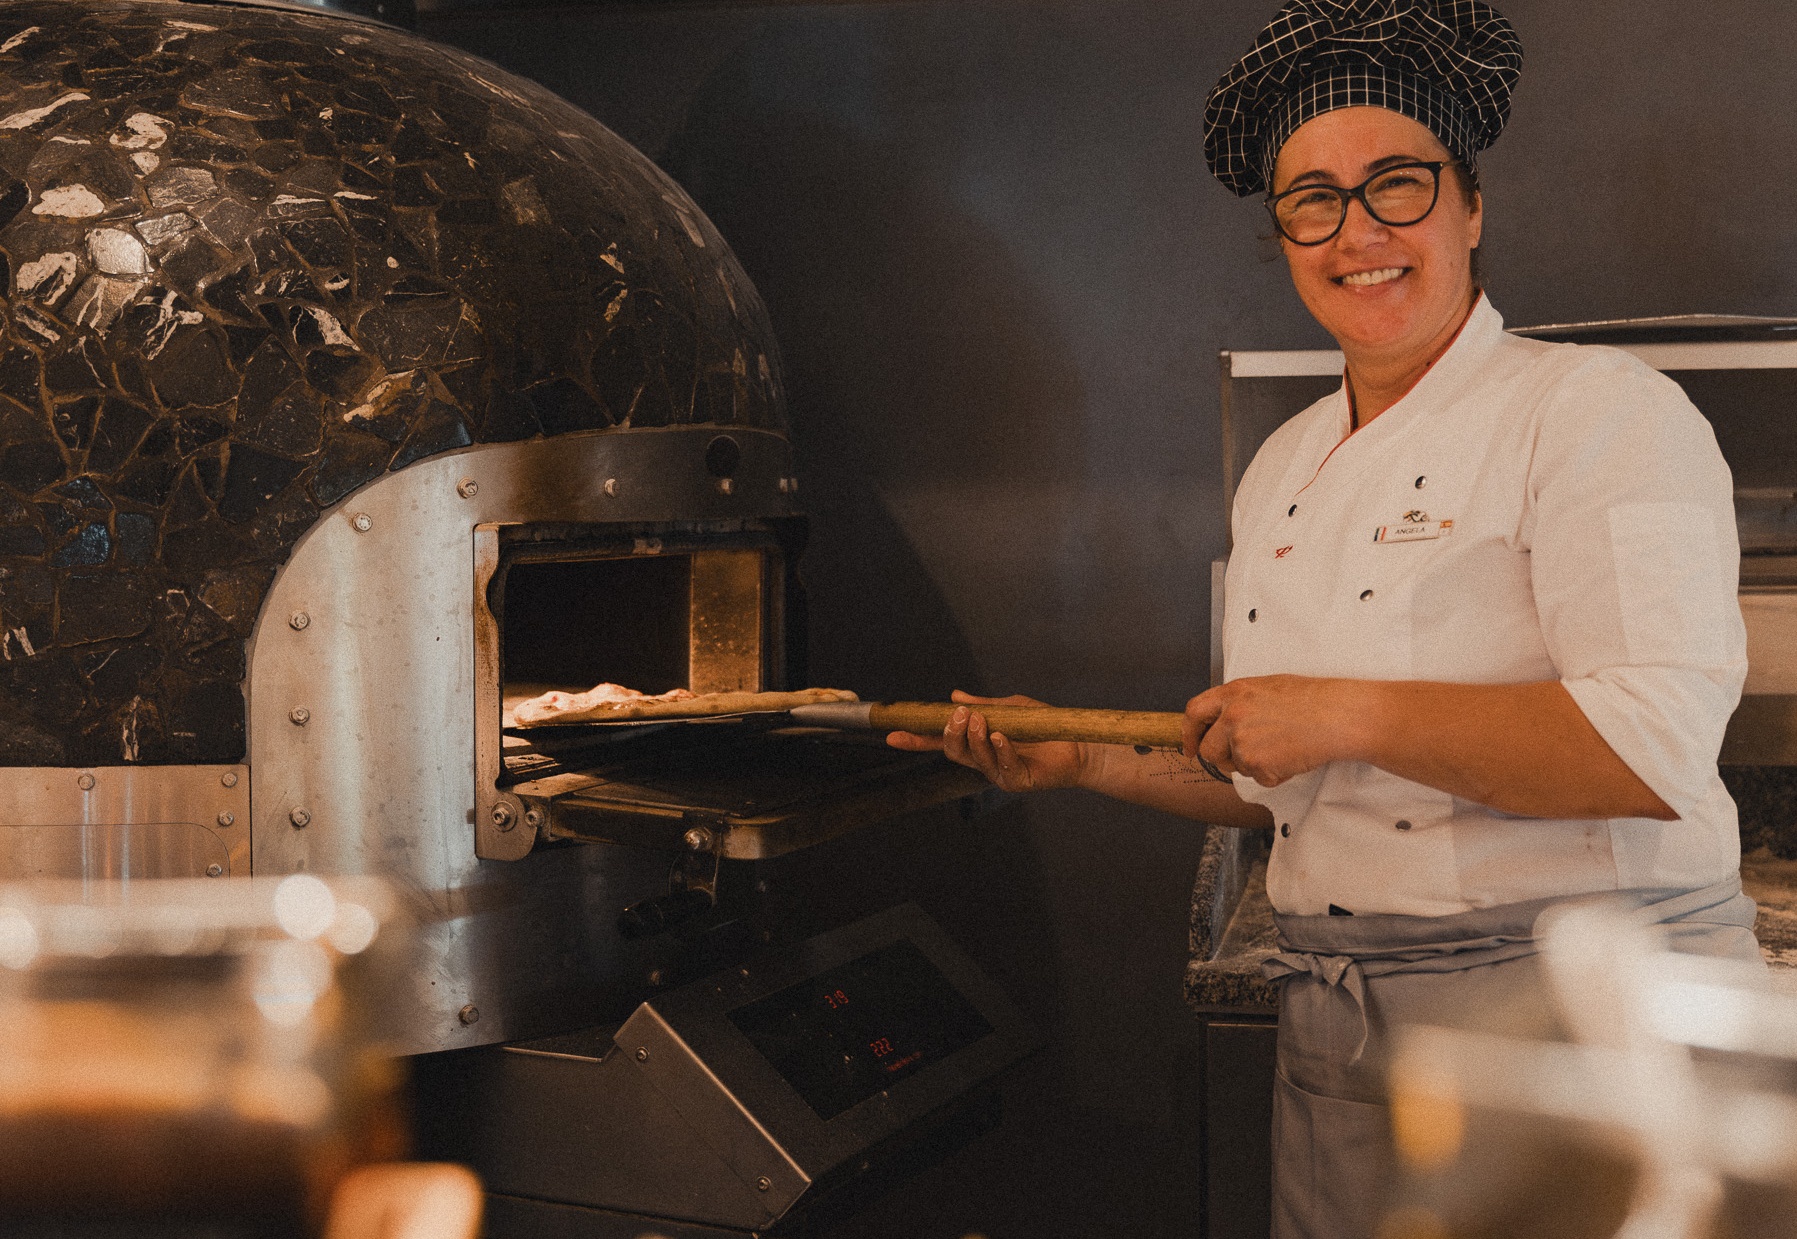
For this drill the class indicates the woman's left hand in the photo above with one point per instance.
(1276, 727)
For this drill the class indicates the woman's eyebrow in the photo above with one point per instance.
(1385, 161)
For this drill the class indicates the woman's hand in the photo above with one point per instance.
(1013, 767)
(1276, 727)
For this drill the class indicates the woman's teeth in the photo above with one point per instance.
(1365, 279)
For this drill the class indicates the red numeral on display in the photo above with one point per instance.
(881, 1048)
(837, 999)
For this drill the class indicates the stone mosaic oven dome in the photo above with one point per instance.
(256, 258)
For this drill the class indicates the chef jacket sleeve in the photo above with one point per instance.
(1635, 564)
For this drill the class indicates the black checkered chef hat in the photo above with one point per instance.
(1447, 64)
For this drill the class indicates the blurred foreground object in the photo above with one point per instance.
(414, 1200)
(185, 1057)
(1671, 1113)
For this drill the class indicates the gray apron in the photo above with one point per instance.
(1348, 980)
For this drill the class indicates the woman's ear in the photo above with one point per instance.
(1476, 218)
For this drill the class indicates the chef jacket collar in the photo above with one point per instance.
(1452, 373)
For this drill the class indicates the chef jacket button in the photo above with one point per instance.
(1292, 511)
(1403, 825)
(1365, 594)
(1421, 482)
(1285, 830)
(1252, 614)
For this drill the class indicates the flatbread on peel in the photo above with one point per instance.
(604, 704)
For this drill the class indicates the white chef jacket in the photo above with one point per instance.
(1592, 541)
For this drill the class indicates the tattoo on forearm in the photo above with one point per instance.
(1178, 768)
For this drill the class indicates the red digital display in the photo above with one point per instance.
(854, 1031)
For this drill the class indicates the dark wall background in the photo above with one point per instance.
(1001, 275)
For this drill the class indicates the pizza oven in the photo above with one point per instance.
(352, 388)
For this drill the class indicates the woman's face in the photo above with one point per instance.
(1374, 287)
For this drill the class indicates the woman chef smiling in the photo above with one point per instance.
(1482, 638)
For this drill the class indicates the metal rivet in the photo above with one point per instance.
(792, 486)
(299, 621)
(785, 486)
(726, 485)
(642, 1053)
(502, 816)
(469, 1014)
(300, 819)
(1421, 482)
(215, 870)
(763, 1184)
(1365, 594)
(85, 782)
(1292, 511)
(228, 778)
(468, 488)
(533, 817)
(698, 838)
(1285, 830)
(300, 716)
(1402, 825)
(611, 487)
(658, 976)
(361, 522)
(1253, 615)
(227, 819)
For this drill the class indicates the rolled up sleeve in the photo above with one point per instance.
(1635, 564)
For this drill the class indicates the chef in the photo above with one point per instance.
(1482, 638)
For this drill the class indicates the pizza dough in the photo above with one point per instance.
(613, 703)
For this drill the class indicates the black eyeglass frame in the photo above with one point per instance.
(1359, 193)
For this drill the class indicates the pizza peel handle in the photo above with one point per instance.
(1024, 724)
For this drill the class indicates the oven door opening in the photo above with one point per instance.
(653, 611)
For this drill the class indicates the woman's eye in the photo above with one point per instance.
(1401, 180)
(1310, 198)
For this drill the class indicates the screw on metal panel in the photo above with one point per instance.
(468, 488)
(792, 486)
(764, 1184)
(533, 817)
(299, 621)
(227, 819)
(215, 870)
(658, 976)
(228, 778)
(300, 716)
(300, 819)
(361, 522)
(85, 782)
(726, 485)
(502, 816)
(469, 1014)
(642, 1053)
(611, 487)
(698, 838)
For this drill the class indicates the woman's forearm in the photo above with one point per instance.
(1519, 748)
(1167, 781)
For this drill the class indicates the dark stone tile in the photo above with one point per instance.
(148, 482)
(21, 376)
(91, 546)
(563, 406)
(123, 424)
(136, 541)
(193, 369)
(29, 467)
(22, 540)
(252, 479)
(439, 429)
(101, 605)
(83, 493)
(349, 461)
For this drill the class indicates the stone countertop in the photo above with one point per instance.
(1226, 980)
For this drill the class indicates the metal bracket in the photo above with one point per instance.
(503, 828)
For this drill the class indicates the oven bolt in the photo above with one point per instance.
(502, 816)
(300, 819)
(468, 489)
(299, 621)
(642, 1053)
(469, 1014)
(300, 716)
(726, 485)
(764, 1184)
(698, 839)
(533, 817)
(85, 782)
(789, 486)
(611, 487)
(658, 977)
(227, 819)
(361, 522)
(215, 870)
(228, 778)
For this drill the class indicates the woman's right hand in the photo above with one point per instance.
(1013, 767)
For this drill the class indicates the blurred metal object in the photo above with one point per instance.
(1676, 1068)
(124, 822)
(151, 1024)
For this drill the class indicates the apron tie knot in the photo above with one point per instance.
(1342, 972)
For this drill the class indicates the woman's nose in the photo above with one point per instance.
(1359, 227)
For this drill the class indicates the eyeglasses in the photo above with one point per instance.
(1397, 197)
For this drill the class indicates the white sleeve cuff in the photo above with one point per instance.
(1666, 724)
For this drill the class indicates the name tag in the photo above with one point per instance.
(1416, 531)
